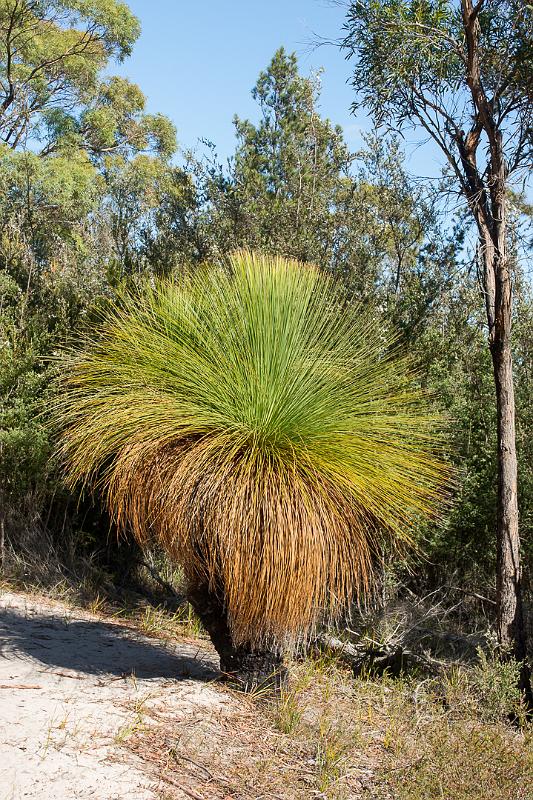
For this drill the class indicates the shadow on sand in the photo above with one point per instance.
(97, 648)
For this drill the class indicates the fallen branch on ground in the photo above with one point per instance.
(377, 659)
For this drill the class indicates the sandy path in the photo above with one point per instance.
(72, 686)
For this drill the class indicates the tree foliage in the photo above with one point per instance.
(412, 61)
(52, 88)
(461, 71)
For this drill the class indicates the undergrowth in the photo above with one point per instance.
(412, 738)
(332, 736)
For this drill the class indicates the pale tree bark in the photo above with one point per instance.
(511, 629)
(510, 618)
(487, 197)
(2, 540)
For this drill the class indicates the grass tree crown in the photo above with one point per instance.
(258, 429)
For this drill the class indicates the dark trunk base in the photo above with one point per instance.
(250, 668)
(253, 669)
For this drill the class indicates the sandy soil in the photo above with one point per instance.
(73, 687)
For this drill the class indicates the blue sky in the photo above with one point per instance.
(197, 63)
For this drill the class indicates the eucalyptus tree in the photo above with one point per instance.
(460, 72)
(265, 440)
(52, 85)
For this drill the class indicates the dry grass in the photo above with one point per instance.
(264, 435)
(339, 738)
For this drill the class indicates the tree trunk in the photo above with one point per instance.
(510, 618)
(2, 541)
(487, 197)
(250, 667)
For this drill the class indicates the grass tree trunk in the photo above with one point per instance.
(251, 668)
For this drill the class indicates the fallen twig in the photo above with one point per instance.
(62, 674)
(19, 686)
(184, 789)
(376, 658)
(471, 594)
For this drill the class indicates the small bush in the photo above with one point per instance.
(495, 683)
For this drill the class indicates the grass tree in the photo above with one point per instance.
(262, 433)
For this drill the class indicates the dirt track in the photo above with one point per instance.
(72, 687)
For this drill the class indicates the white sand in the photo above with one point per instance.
(72, 686)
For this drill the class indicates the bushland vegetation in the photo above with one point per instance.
(106, 228)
